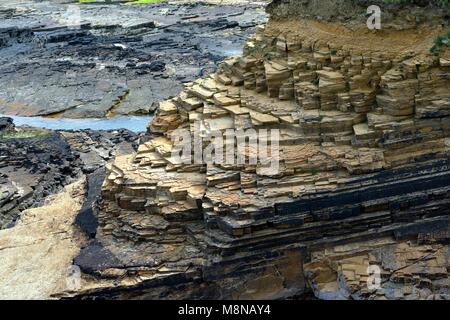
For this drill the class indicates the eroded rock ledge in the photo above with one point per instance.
(122, 60)
(36, 163)
(364, 150)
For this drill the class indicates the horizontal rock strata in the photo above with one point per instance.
(363, 148)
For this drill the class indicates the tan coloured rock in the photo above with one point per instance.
(37, 254)
(362, 164)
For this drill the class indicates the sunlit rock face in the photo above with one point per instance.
(361, 178)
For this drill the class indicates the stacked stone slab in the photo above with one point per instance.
(363, 154)
(404, 270)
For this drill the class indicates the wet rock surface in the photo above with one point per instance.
(32, 168)
(6, 125)
(35, 163)
(121, 59)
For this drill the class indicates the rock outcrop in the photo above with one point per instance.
(77, 59)
(408, 270)
(37, 253)
(6, 125)
(35, 163)
(362, 176)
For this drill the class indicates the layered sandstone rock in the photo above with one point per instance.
(363, 151)
(407, 270)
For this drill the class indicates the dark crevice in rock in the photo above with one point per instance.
(86, 218)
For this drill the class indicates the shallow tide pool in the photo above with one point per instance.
(132, 123)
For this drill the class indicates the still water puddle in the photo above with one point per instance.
(132, 123)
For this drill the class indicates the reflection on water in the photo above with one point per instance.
(133, 123)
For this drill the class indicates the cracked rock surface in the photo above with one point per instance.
(35, 163)
(44, 243)
(121, 58)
